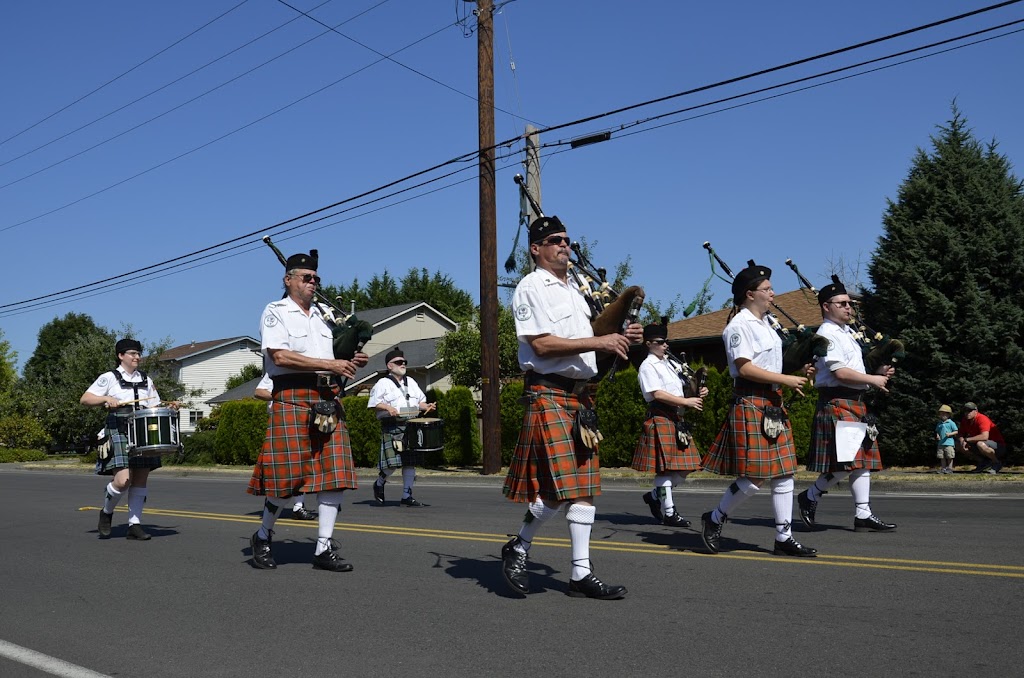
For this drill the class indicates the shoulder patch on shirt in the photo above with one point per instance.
(102, 382)
(524, 312)
(270, 320)
(831, 344)
(734, 340)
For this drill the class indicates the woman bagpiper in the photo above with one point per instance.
(122, 391)
(755, 443)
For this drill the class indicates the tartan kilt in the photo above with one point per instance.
(822, 456)
(297, 460)
(117, 434)
(742, 449)
(390, 458)
(658, 450)
(546, 461)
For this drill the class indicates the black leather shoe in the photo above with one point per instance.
(654, 505)
(872, 524)
(332, 562)
(261, 555)
(791, 547)
(711, 533)
(136, 532)
(513, 566)
(410, 501)
(807, 509)
(302, 514)
(675, 520)
(592, 587)
(378, 493)
(104, 526)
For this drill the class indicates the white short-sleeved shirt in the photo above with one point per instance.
(388, 392)
(543, 304)
(658, 375)
(747, 336)
(843, 351)
(266, 383)
(108, 385)
(284, 325)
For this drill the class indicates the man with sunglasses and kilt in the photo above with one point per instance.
(306, 450)
(552, 466)
(842, 383)
(664, 448)
(756, 439)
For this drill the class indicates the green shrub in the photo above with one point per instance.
(8, 454)
(621, 411)
(23, 431)
(801, 416)
(462, 446)
(706, 423)
(512, 411)
(363, 431)
(199, 449)
(241, 431)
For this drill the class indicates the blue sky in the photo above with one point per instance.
(805, 175)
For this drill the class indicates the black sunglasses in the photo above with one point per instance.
(557, 240)
(399, 362)
(309, 277)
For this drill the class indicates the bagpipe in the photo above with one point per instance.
(879, 349)
(799, 347)
(610, 311)
(693, 380)
(349, 334)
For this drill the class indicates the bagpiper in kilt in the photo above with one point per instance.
(755, 442)
(307, 447)
(843, 385)
(665, 447)
(555, 462)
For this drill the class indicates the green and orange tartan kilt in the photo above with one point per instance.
(822, 457)
(658, 450)
(742, 449)
(297, 459)
(547, 460)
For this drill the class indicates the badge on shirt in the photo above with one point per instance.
(102, 383)
(734, 340)
(270, 320)
(523, 312)
(831, 345)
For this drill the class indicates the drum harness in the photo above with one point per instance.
(397, 427)
(105, 449)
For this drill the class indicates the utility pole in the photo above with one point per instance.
(532, 166)
(490, 384)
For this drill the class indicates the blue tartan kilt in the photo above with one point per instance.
(117, 434)
(822, 457)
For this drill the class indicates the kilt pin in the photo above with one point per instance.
(822, 456)
(658, 450)
(741, 447)
(298, 459)
(547, 460)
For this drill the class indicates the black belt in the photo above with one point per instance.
(306, 380)
(556, 381)
(747, 387)
(668, 411)
(841, 392)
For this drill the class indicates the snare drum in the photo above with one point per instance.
(153, 432)
(424, 434)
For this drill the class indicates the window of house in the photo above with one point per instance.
(193, 417)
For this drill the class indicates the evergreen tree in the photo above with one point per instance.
(948, 279)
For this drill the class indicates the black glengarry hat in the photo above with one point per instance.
(392, 354)
(656, 330)
(302, 260)
(746, 279)
(127, 344)
(542, 227)
(833, 289)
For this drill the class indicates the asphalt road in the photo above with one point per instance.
(939, 597)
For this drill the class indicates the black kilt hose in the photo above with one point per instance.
(659, 450)
(117, 434)
(547, 460)
(742, 449)
(822, 457)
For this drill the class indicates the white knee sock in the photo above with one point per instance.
(663, 492)
(330, 504)
(824, 483)
(860, 488)
(408, 478)
(271, 509)
(383, 476)
(136, 500)
(297, 503)
(737, 493)
(112, 498)
(536, 515)
(782, 503)
(581, 520)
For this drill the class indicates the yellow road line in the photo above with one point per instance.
(899, 564)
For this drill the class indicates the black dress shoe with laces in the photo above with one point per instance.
(378, 493)
(261, 555)
(807, 509)
(410, 501)
(872, 524)
(675, 520)
(791, 547)
(331, 561)
(711, 533)
(302, 514)
(513, 567)
(104, 526)
(654, 505)
(592, 587)
(136, 532)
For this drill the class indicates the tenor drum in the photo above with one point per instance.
(153, 432)
(424, 434)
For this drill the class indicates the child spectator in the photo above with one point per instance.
(945, 432)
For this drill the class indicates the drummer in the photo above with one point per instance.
(396, 398)
(121, 392)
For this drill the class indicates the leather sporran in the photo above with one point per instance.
(872, 423)
(773, 422)
(585, 428)
(325, 417)
(684, 433)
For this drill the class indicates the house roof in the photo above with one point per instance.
(375, 316)
(246, 390)
(421, 354)
(197, 347)
(798, 303)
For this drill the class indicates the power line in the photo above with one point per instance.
(118, 77)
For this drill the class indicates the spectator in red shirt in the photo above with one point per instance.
(981, 440)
